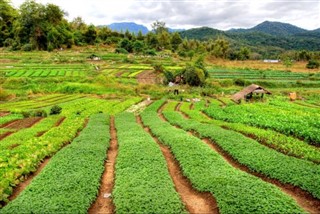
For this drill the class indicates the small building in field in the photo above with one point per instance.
(271, 60)
(248, 92)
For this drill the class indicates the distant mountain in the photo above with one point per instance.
(316, 30)
(130, 26)
(267, 38)
(202, 33)
(277, 28)
(272, 28)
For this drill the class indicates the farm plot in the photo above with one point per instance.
(19, 160)
(285, 144)
(70, 181)
(265, 160)
(224, 73)
(142, 181)
(45, 70)
(296, 122)
(235, 191)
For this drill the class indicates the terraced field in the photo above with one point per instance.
(172, 158)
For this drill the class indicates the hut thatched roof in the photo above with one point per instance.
(250, 89)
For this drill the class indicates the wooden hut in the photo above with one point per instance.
(248, 92)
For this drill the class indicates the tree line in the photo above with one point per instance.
(35, 26)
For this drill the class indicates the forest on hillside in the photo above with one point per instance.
(35, 26)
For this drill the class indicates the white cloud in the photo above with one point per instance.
(220, 14)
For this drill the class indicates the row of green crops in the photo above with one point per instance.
(285, 144)
(302, 124)
(38, 103)
(24, 135)
(221, 73)
(256, 156)
(142, 184)
(71, 180)
(45, 73)
(235, 190)
(19, 161)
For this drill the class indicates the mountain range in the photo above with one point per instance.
(267, 38)
(134, 28)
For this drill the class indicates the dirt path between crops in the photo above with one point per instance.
(304, 199)
(4, 113)
(104, 204)
(195, 201)
(6, 134)
(22, 123)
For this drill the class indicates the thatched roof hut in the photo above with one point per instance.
(248, 92)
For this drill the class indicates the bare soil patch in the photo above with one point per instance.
(4, 113)
(22, 123)
(104, 204)
(147, 77)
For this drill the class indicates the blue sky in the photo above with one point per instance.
(219, 14)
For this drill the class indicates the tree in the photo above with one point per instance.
(125, 44)
(163, 40)
(193, 76)
(176, 40)
(138, 46)
(159, 27)
(7, 17)
(90, 35)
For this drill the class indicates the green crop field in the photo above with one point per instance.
(88, 136)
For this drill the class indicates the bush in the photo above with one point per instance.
(40, 113)
(55, 110)
(312, 64)
(27, 47)
(240, 82)
(26, 114)
(121, 51)
(150, 52)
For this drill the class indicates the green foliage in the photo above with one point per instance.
(193, 76)
(55, 110)
(142, 183)
(208, 171)
(313, 64)
(282, 143)
(295, 122)
(265, 160)
(71, 179)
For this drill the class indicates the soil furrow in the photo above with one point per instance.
(195, 201)
(103, 203)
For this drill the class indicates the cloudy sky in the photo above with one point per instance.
(219, 14)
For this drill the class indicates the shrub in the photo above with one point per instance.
(150, 52)
(121, 51)
(26, 114)
(40, 113)
(239, 82)
(55, 110)
(27, 47)
(312, 64)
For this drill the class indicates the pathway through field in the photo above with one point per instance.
(104, 204)
(195, 201)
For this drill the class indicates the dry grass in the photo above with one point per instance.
(259, 64)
